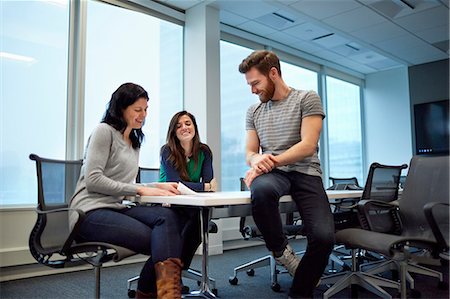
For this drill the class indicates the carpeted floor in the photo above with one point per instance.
(114, 281)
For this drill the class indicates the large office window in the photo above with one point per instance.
(33, 80)
(236, 97)
(344, 129)
(147, 51)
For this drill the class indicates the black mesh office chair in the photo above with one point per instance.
(437, 215)
(427, 180)
(149, 175)
(249, 231)
(51, 242)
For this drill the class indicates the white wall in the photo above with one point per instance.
(387, 118)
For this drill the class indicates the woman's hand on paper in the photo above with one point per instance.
(170, 186)
(166, 190)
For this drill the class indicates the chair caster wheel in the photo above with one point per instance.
(251, 272)
(215, 292)
(131, 293)
(442, 285)
(233, 280)
(184, 290)
(276, 287)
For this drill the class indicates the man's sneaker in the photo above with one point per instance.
(289, 260)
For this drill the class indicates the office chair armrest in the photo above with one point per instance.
(437, 215)
(379, 216)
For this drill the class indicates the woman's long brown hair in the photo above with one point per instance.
(177, 155)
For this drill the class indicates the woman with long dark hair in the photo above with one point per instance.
(107, 177)
(187, 160)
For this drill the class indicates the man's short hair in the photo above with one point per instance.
(262, 60)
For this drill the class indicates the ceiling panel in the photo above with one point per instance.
(257, 28)
(435, 34)
(331, 41)
(434, 17)
(307, 31)
(362, 35)
(355, 19)
(231, 19)
(379, 32)
(249, 9)
(324, 8)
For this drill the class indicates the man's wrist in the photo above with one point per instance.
(250, 158)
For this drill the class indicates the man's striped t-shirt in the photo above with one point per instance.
(278, 125)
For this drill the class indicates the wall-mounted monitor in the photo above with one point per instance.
(432, 127)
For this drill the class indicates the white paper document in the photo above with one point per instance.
(185, 190)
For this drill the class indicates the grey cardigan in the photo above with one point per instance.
(108, 174)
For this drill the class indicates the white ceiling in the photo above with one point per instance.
(363, 35)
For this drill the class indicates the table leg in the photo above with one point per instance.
(204, 291)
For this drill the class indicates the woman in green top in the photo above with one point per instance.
(185, 159)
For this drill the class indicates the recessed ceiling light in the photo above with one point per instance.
(16, 57)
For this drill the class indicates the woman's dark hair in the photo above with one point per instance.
(124, 96)
(177, 155)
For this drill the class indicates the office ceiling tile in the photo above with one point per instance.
(362, 68)
(384, 64)
(307, 31)
(379, 32)
(324, 8)
(257, 28)
(231, 19)
(409, 48)
(436, 34)
(283, 38)
(331, 41)
(434, 17)
(249, 9)
(367, 57)
(349, 49)
(328, 55)
(279, 20)
(355, 19)
(307, 47)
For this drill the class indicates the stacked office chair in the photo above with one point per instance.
(148, 175)
(291, 229)
(403, 226)
(437, 214)
(51, 242)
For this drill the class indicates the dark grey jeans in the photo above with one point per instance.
(150, 230)
(312, 202)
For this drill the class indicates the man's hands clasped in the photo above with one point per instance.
(259, 163)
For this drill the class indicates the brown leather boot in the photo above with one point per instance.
(168, 275)
(142, 295)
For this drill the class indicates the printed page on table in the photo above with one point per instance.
(185, 190)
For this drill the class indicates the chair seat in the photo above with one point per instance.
(375, 241)
(119, 252)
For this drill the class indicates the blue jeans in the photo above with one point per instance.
(149, 230)
(312, 202)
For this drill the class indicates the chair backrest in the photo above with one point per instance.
(382, 182)
(147, 175)
(427, 181)
(56, 182)
(344, 184)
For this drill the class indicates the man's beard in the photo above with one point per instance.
(267, 94)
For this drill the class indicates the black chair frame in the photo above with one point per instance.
(52, 244)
